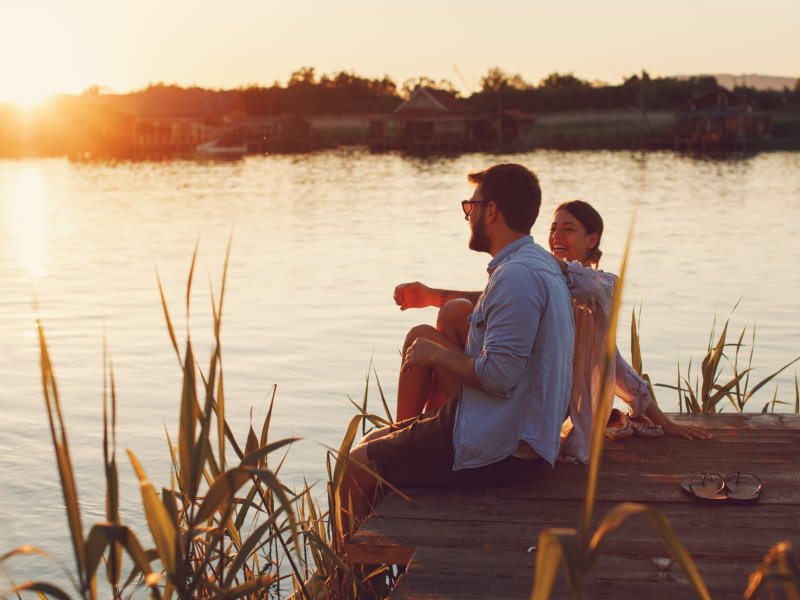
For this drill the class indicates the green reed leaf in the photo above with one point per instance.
(621, 512)
(189, 283)
(557, 546)
(188, 423)
(250, 545)
(158, 520)
(60, 445)
(114, 562)
(709, 368)
(23, 550)
(766, 380)
(636, 350)
(40, 587)
(254, 458)
(601, 416)
(778, 567)
(170, 328)
(222, 492)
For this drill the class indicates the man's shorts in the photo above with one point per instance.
(419, 453)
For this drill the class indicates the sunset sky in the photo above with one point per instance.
(68, 45)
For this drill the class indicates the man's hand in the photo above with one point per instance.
(422, 352)
(426, 353)
(414, 295)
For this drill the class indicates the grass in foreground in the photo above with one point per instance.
(226, 526)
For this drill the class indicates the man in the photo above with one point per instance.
(514, 375)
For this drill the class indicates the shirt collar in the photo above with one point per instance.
(507, 251)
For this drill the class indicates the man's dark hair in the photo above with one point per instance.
(515, 189)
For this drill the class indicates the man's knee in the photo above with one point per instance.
(420, 331)
(454, 313)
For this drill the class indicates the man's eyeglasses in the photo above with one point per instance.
(467, 205)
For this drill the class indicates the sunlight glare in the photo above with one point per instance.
(26, 210)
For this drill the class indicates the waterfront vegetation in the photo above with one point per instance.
(629, 111)
(228, 527)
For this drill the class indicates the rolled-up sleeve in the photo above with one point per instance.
(511, 320)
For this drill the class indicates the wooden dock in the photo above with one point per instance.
(475, 544)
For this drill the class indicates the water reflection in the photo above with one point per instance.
(26, 217)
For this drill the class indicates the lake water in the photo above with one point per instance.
(319, 242)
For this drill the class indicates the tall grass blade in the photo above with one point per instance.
(170, 328)
(766, 380)
(709, 370)
(796, 396)
(366, 394)
(620, 513)
(114, 564)
(222, 492)
(23, 550)
(778, 567)
(601, 416)
(188, 422)
(636, 350)
(249, 546)
(555, 547)
(256, 457)
(158, 520)
(189, 283)
(59, 436)
(383, 397)
(40, 587)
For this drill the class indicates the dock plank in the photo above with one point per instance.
(480, 543)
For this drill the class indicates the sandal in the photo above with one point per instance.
(712, 488)
(644, 427)
(743, 488)
(618, 426)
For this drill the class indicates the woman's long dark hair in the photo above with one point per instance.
(591, 221)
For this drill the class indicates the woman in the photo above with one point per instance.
(575, 235)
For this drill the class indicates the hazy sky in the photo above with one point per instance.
(67, 45)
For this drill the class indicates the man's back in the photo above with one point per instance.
(522, 333)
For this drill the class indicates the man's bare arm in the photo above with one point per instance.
(419, 295)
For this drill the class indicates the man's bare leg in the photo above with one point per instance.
(421, 388)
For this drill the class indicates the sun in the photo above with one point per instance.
(27, 97)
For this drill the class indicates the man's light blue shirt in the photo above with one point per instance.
(522, 333)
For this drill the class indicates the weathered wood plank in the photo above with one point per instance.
(436, 574)
(473, 543)
(703, 536)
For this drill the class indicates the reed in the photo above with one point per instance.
(724, 374)
(222, 529)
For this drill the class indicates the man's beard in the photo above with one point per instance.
(478, 239)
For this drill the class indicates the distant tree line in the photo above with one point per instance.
(67, 123)
(307, 94)
(563, 92)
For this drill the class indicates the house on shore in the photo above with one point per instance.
(165, 121)
(720, 120)
(160, 122)
(430, 121)
(262, 131)
(514, 125)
